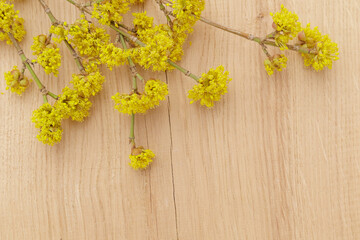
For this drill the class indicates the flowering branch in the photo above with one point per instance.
(245, 35)
(26, 63)
(56, 22)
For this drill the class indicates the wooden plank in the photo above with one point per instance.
(277, 158)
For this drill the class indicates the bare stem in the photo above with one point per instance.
(166, 12)
(131, 64)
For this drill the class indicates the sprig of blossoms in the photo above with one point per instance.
(141, 158)
(155, 91)
(72, 104)
(48, 54)
(286, 25)
(11, 23)
(88, 85)
(212, 85)
(276, 63)
(16, 81)
(326, 51)
(112, 11)
(48, 120)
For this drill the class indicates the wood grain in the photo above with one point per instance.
(278, 158)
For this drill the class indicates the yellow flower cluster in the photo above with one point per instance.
(187, 13)
(16, 82)
(286, 25)
(159, 43)
(141, 158)
(113, 56)
(162, 41)
(87, 38)
(61, 31)
(72, 104)
(211, 87)
(326, 50)
(48, 120)
(111, 11)
(88, 85)
(155, 91)
(11, 23)
(48, 54)
(278, 63)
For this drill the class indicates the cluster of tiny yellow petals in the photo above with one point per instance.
(61, 31)
(110, 11)
(72, 104)
(326, 51)
(187, 13)
(88, 85)
(10, 23)
(142, 21)
(159, 43)
(287, 27)
(48, 120)
(277, 63)
(16, 82)
(113, 56)
(87, 38)
(48, 54)
(155, 91)
(141, 158)
(211, 87)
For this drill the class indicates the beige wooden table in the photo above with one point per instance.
(278, 158)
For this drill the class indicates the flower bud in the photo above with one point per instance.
(51, 45)
(13, 84)
(137, 151)
(24, 82)
(301, 36)
(42, 39)
(16, 73)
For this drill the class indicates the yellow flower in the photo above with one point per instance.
(155, 91)
(16, 82)
(48, 120)
(61, 31)
(211, 87)
(286, 25)
(87, 38)
(10, 23)
(326, 51)
(110, 11)
(141, 158)
(50, 59)
(142, 21)
(159, 43)
(277, 63)
(88, 85)
(131, 103)
(72, 104)
(113, 56)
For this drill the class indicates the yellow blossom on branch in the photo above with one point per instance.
(141, 158)
(48, 120)
(286, 25)
(325, 50)
(16, 82)
(276, 63)
(211, 87)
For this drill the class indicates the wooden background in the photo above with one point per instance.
(277, 158)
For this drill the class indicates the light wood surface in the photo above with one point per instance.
(277, 158)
